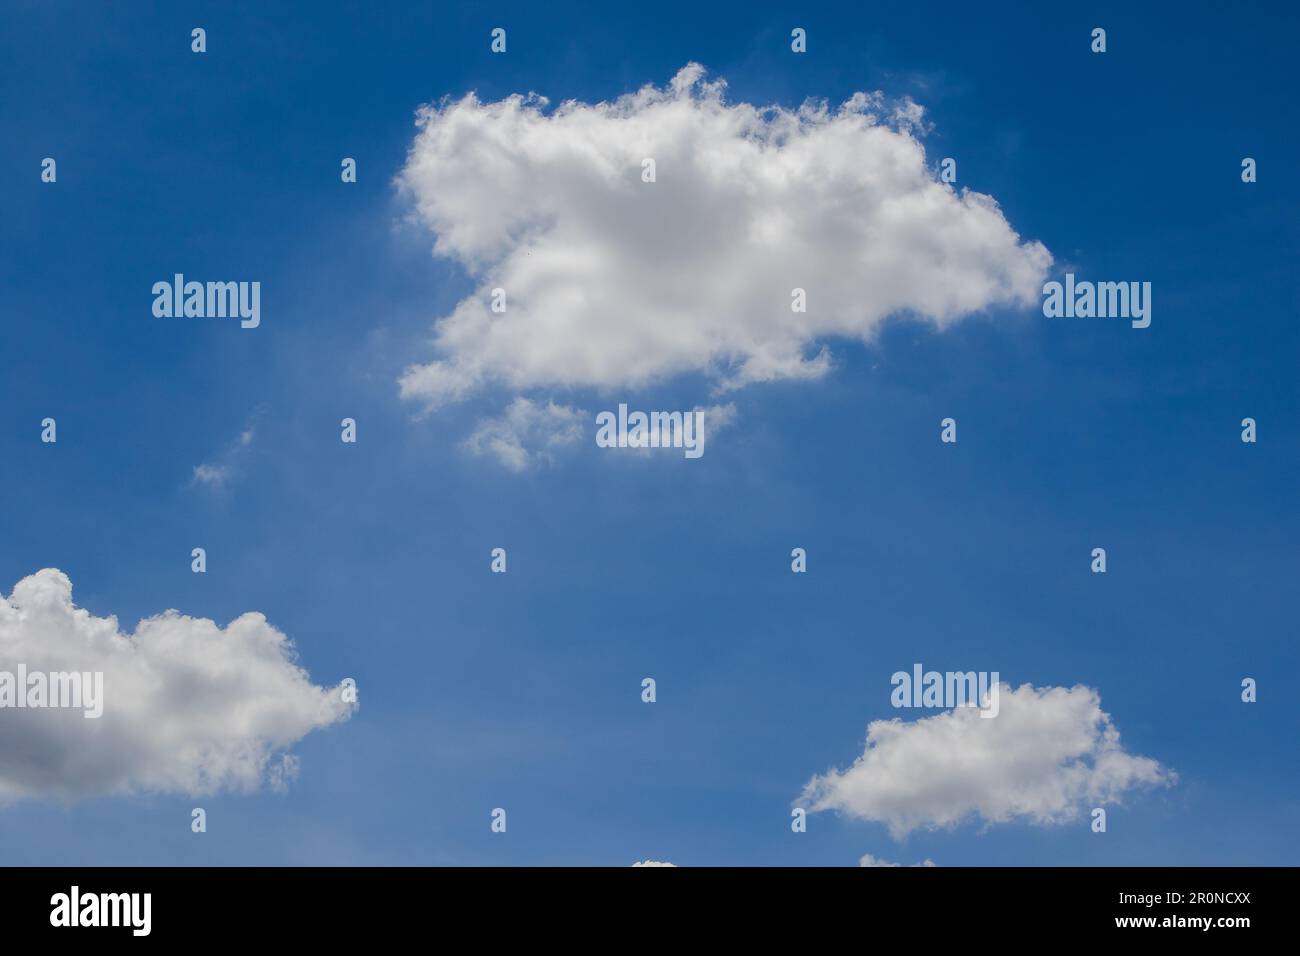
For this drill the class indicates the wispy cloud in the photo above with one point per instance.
(223, 469)
(528, 433)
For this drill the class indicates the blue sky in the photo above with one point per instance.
(523, 690)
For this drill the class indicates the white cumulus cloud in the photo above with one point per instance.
(188, 707)
(615, 282)
(653, 863)
(1047, 754)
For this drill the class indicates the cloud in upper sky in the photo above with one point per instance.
(614, 282)
(188, 707)
(1049, 753)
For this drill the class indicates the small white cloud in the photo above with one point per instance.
(188, 707)
(1047, 754)
(653, 863)
(869, 860)
(527, 433)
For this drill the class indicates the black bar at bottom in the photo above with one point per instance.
(336, 906)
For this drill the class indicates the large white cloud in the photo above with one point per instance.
(188, 707)
(1049, 753)
(614, 282)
